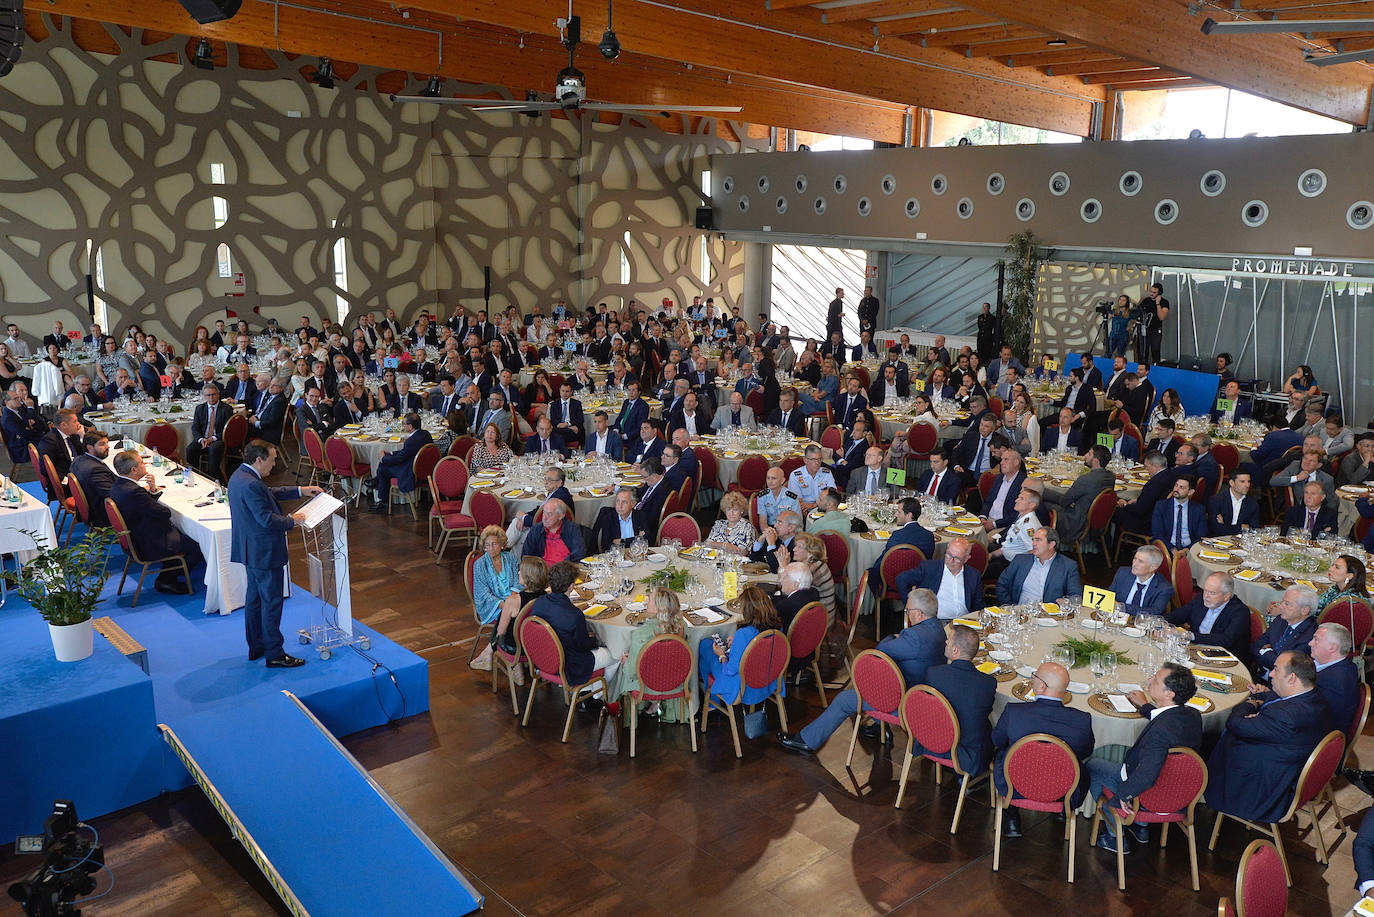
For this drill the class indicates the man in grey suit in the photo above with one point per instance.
(1043, 575)
(496, 413)
(872, 478)
(1307, 468)
(1074, 505)
(734, 414)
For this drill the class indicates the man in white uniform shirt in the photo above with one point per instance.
(1016, 540)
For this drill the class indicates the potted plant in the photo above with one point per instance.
(64, 584)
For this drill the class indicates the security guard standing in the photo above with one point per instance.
(808, 481)
(776, 499)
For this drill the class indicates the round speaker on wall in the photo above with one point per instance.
(1312, 182)
(1254, 213)
(1213, 183)
(1059, 184)
(889, 184)
(801, 184)
(865, 206)
(841, 184)
(819, 206)
(1091, 210)
(728, 185)
(780, 205)
(912, 208)
(996, 183)
(1360, 215)
(763, 184)
(964, 208)
(1025, 209)
(1166, 211)
(939, 184)
(744, 203)
(1131, 183)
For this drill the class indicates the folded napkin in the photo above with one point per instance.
(966, 520)
(1120, 704)
(1200, 703)
(989, 668)
(710, 616)
(969, 622)
(1308, 583)
(958, 530)
(993, 609)
(1050, 607)
(1248, 575)
(592, 611)
(514, 493)
(1214, 555)
(1365, 906)
(1216, 677)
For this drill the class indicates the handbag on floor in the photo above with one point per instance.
(756, 723)
(609, 743)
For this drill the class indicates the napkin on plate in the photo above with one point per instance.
(592, 611)
(710, 616)
(989, 668)
(1216, 677)
(958, 530)
(1213, 555)
(1079, 687)
(1365, 906)
(1248, 575)
(1120, 704)
(1201, 703)
(969, 622)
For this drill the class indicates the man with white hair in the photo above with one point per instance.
(1138, 588)
(1216, 617)
(556, 538)
(794, 591)
(1291, 631)
(958, 586)
(1338, 680)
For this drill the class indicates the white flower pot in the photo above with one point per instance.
(72, 642)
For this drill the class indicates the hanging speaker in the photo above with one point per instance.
(206, 11)
(705, 218)
(486, 283)
(11, 33)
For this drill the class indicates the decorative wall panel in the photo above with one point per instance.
(1065, 295)
(119, 149)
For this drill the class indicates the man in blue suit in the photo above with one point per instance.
(207, 433)
(1363, 854)
(242, 389)
(1255, 765)
(1173, 724)
(259, 527)
(1062, 437)
(1338, 680)
(909, 532)
(566, 415)
(1046, 714)
(1216, 617)
(603, 439)
(122, 386)
(397, 466)
(1269, 455)
(970, 693)
(1140, 587)
(149, 376)
(1313, 518)
(958, 586)
(1233, 510)
(973, 455)
(653, 496)
(544, 439)
(1123, 446)
(1291, 631)
(851, 454)
(151, 528)
(1238, 411)
(1043, 575)
(619, 524)
(1178, 521)
(915, 649)
(633, 412)
(939, 480)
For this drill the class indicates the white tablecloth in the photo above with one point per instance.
(138, 428)
(31, 514)
(953, 342)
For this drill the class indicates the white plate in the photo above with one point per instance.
(1079, 687)
(997, 639)
(1126, 687)
(1000, 655)
(624, 563)
(1047, 622)
(714, 600)
(1092, 623)
(658, 558)
(603, 597)
(637, 606)
(1025, 671)
(1132, 632)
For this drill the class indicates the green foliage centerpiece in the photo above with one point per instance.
(675, 578)
(1084, 647)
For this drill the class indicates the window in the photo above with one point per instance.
(223, 260)
(340, 276)
(625, 258)
(804, 281)
(226, 264)
(704, 266)
(97, 269)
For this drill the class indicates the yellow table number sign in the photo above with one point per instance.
(1225, 404)
(731, 585)
(918, 384)
(1104, 600)
(1052, 365)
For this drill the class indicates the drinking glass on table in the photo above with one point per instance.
(1097, 664)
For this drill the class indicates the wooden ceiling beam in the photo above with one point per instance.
(932, 24)
(1139, 75)
(966, 37)
(1093, 66)
(1057, 56)
(864, 11)
(773, 5)
(1186, 82)
(1294, 8)
(1019, 46)
(1165, 33)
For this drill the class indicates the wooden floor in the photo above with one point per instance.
(546, 828)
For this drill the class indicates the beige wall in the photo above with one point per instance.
(119, 150)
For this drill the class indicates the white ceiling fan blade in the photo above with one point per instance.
(481, 104)
(651, 109)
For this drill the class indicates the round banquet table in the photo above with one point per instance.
(1348, 515)
(1058, 472)
(729, 460)
(1109, 729)
(587, 502)
(866, 548)
(1257, 585)
(370, 447)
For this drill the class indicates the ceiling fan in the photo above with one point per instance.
(570, 88)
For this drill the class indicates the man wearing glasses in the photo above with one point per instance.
(958, 586)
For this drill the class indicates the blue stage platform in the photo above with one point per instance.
(87, 731)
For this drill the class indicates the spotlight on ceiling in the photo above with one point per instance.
(205, 55)
(431, 90)
(610, 45)
(1056, 43)
(324, 74)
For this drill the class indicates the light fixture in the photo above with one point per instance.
(205, 55)
(431, 90)
(1056, 43)
(610, 45)
(1246, 26)
(1346, 57)
(324, 74)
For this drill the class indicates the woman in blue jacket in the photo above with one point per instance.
(719, 662)
(495, 576)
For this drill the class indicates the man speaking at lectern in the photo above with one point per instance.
(258, 530)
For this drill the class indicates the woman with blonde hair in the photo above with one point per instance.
(809, 549)
(494, 579)
(491, 452)
(734, 532)
(533, 575)
(719, 663)
(665, 617)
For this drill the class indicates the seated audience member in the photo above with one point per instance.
(973, 455)
(734, 414)
(557, 537)
(1254, 767)
(833, 519)
(1312, 518)
(544, 439)
(1216, 616)
(664, 617)
(123, 386)
(269, 414)
(718, 662)
(1137, 515)
(1140, 586)
(151, 528)
(915, 649)
(1306, 469)
(1073, 508)
(565, 412)
(1358, 466)
(776, 537)
(1348, 580)
(809, 550)
(776, 499)
(794, 592)
(1179, 521)
(62, 443)
(871, 477)
(94, 476)
(207, 433)
(649, 444)
(619, 525)
(1338, 678)
(1172, 724)
(21, 430)
(910, 532)
(312, 415)
(958, 586)
(603, 440)
(1163, 440)
(1062, 437)
(533, 581)
(1000, 509)
(939, 480)
(1294, 623)
(556, 486)
(1046, 714)
(582, 655)
(733, 532)
(495, 578)
(1042, 575)
(398, 467)
(1233, 510)
(1124, 446)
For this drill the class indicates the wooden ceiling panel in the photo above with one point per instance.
(1186, 82)
(884, 8)
(966, 37)
(1018, 47)
(933, 23)
(1093, 66)
(1141, 75)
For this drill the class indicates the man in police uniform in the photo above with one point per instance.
(776, 499)
(808, 481)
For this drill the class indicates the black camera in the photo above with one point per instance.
(70, 861)
(1104, 308)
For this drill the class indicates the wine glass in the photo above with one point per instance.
(1109, 666)
(1097, 664)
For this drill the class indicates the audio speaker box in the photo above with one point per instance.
(705, 218)
(206, 11)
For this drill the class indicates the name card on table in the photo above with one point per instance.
(896, 476)
(1225, 404)
(1106, 439)
(918, 384)
(73, 335)
(1102, 599)
(165, 380)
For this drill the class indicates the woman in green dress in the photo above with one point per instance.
(1347, 576)
(665, 617)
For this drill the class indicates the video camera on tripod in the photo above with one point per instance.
(70, 861)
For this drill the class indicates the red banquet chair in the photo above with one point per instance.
(836, 557)
(462, 446)
(422, 466)
(1041, 773)
(511, 664)
(546, 659)
(164, 438)
(833, 439)
(930, 721)
(79, 503)
(666, 668)
(344, 464)
(486, 510)
(708, 470)
(1314, 782)
(763, 666)
(805, 635)
(792, 464)
(446, 486)
(1169, 801)
(1354, 615)
(895, 562)
(483, 630)
(1099, 517)
(126, 541)
(921, 440)
(752, 475)
(1261, 890)
(878, 689)
(680, 526)
(312, 454)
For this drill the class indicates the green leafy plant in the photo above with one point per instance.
(1083, 649)
(675, 578)
(1023, 255)
(64, 584)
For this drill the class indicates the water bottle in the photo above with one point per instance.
(157, 458)
(186, 475)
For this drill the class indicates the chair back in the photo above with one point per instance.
(900, 559)
(879, 683)
(1256, 625)
(665, 667)
(1183, 577)
(857, 598)
(1042, 770)
(1320, 768)
(38, 469)
(921, 438)
(929, 719)
(681, 526)
(996, 405)
(807, 630)
(462, 446)
(425, 462)
(708, 469)
(83, 505)
(515, 625)
(541, 644)
(1362, 527)
(754, 400)
(986, 480)
(164, 438)
(792, 464)
(1100, 513)
(836, 554)
(765, 660)
(235, 433)
(1176, 790)
(1227, 457)
(833, 439)
(469, 563)
(865, 379)
(1361, 714)
(1261, 882)
(752, 476)
(339, 454)
(314, 447)
(486, 509)
(978, 556)
(52, 480)
(1354, 615)
(450, 477)
(121, 528)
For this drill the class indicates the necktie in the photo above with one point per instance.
(1311, 521)
(734, 418)
(934, 484)
(447, 402)
(644, 499)
(784, 417)
(1178, 522)
(543, 445)
(872, 481)
(1130, 599)
(978, 457)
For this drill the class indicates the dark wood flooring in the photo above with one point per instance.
(546, 828)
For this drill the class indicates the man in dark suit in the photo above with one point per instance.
(851, 457)
(398, 466)
(910, 532)
(1216, 617)
(1233, 510)
(1292, 630)
(1255, 765)
(1338, 679)
(970, 693)
(62, 443)
(1237, 411)
(1172, 724)
(207, 433)
(914, 649)
(259, 528)
(633, 412)
(1163, 441)
(402, 400)
(939, 480)
(1178, 521)
(94, 476)
(581, 654)
(1055, 575)
(1313, 518)
(653, 494)
(958, 586)
(604, 440)
(566, 415)
(691, 416)
(1134, 398)
(1123, 445)
(1137, 515)
(311, 415)
(269, 414)
(888, 387)
(122, 386)
(150, 523)
(544, 439)
(849, 403)
(1272, 452)
(20, 429)
(999, 511)
(1062, 436)
(1080, 397)
(618, 524)
(1139, 587)
(58, 337)
(556, 486)
(794, 593)
(1074, 506)
(973, 455)
(91, 398)
(1046, 714)
(648, 443)
(347, 410)
(1092, 376)
(787, 414)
